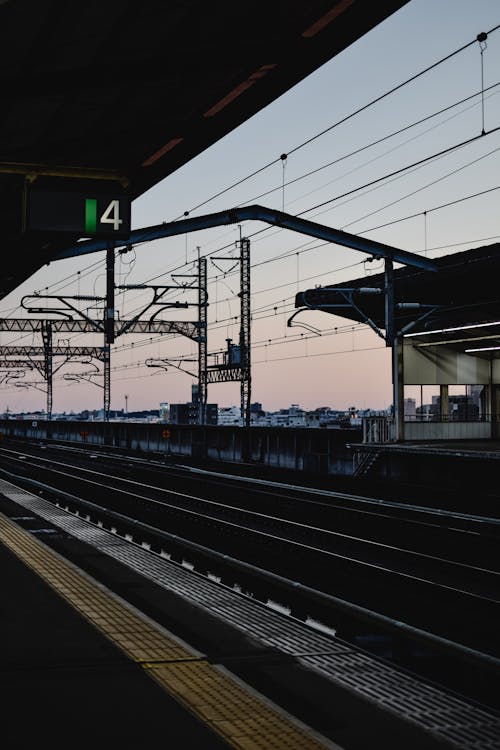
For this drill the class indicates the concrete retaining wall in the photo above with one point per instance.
(301, 449)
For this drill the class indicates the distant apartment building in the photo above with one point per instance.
(189, 414)
(294, 416)
(410, 409)
(461, 408)
(229, 415)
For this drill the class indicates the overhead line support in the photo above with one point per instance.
(259, 213)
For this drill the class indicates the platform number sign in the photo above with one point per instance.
(110, 215)
(89, 214)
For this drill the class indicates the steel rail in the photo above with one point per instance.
(358, 613)
(287, 540)
(276, 519)
(337, 495)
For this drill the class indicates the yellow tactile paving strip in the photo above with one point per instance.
(243, 719)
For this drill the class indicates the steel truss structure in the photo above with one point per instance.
(241, 370)
(231, 370)
(76, 321)
(35, 325)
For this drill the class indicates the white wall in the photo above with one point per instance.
(447, 430)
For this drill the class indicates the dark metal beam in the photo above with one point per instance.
(258, 213)
(57, 351)
(22, 364)
(31, 325)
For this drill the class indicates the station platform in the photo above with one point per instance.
(63, 681)
(462, 468)
(489, 449)
(80, 667)
(106, 644)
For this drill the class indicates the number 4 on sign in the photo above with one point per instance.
(112, 215)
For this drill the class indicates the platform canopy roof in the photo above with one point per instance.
(464, 292)
(477, 340)
(127, 92)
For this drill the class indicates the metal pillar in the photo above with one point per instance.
(106, 361)
(444, 403)
(246, 377)
(109, 326)
(202, 340)
(495, 410)
(398, 388)
(389, 302)
(395, 341)
(48, 364)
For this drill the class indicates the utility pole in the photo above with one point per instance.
(246, 376)
(48, 364)
(237, 364)
(202, 340)
(109, 326)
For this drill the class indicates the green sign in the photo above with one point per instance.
(86, 214)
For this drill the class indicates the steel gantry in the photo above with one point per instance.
(236, 365)
(340, 298)
(45, 362)
(57, 351)
(372, 248)
(242, 368)
(34, 325)
(198, 282)
(202, 341)
(109, 326)
(259, 213)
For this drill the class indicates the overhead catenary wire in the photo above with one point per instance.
(294, 251)
(427, 210)
(272, 260)
(381, 180)
(269, 306)
(425, 159)
(267, 229)
(345, 156)
(277, 341)
(343, 120)
(371, 183)
(373, 143)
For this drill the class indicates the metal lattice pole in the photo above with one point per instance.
(202, 340)
(109, 327)
(48, 364)
(246, 378)
(107, 380)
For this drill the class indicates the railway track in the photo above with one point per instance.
(438, 571)
(253, 538)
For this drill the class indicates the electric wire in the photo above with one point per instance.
(343, 120)
(378, 181)
(335, 124)
(377, 142)
(427, 210)
(336, 198)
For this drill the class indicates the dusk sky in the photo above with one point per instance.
(341, 364)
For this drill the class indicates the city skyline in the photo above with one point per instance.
(329, 360)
